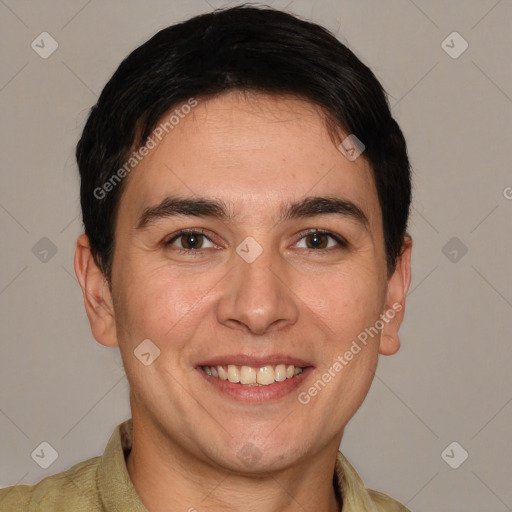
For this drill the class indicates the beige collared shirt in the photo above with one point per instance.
(102, 484)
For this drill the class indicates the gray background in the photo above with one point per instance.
(450, 381)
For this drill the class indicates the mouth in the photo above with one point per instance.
(250, 379)
(251, 376)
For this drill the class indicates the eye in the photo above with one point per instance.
(189, 240)
(193, 240)
(319, 239)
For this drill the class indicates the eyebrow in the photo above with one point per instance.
(173, 206)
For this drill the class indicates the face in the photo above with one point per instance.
(269, 276)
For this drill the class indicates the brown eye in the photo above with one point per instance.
(319, 239)
(316, 240)
(189, 240)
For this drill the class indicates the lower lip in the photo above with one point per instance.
(246, 393)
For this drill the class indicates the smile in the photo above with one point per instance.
(251, 376)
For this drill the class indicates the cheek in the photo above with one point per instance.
(161, 305)
(349, 301)
(350, 305)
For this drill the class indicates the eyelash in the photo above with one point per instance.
(343, 244)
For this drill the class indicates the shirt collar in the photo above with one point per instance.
(119, 495)
(113, 480)
(353, 491)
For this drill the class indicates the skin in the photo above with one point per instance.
(255, 152)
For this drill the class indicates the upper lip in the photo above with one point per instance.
(255, 361)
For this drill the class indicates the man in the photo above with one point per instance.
(245, 195)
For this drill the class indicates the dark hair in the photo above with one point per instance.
(250, 49)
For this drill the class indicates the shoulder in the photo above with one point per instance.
(74, 489)
(385, 503)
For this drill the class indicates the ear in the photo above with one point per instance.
(96, 292)
(394, 310)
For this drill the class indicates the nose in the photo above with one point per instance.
(257, 296)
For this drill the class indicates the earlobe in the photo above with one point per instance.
(398, 286)
(389, 339)
(96, 293)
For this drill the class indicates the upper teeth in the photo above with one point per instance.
(264, 375)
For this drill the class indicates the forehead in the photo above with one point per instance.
(252, 151)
